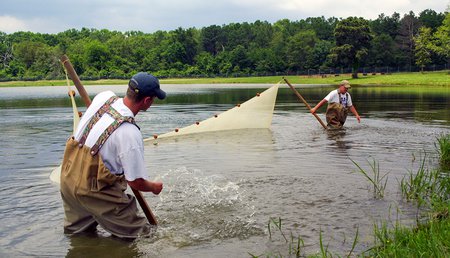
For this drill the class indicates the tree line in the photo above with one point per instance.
(257, 48)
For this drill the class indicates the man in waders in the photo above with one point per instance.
(339, 102)
(105, 154)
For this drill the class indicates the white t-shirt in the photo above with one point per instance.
(123, 151)
(333, 97)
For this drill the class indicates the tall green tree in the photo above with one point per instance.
(120, 63)
(431, 19)
(6, 54)
(409, 26)
(353, 37)
(239, 59)
(382, 51)
(205, 63)
(212, 39)
(39, 60)
(423, 47)
(237, 34)
(324, 28)
(189, 40)
(265, 60)
(97, 56)
(146, 51)
(388, 25)
(300, 49)
(442, 38)
(224, 65)
(262, 33)
(318, 58)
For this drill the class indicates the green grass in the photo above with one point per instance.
(441, 78)
(427, 240)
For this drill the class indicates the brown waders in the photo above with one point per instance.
(91, 194)
(336, 114)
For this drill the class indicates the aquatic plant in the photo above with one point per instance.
(377, 180)
(415, 186)
(443, 148)
(295, 244)
(323, 249)
(429, 187)
(277, 224)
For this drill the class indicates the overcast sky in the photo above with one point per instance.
(53, 16)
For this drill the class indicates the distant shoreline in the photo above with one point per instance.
(441, 78)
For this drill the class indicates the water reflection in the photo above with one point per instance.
(424, 104)
(95, 245)
(337, 138)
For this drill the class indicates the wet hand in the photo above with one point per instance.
(141, 184)
(358, 118)
(157, 187)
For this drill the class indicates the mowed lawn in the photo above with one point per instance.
(441, 78)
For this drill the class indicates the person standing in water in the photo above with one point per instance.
(339, 102)
(105, 154)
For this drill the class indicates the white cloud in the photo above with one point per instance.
(52, 16)
(10, 24)
(368, 9)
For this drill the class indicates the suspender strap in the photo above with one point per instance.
(118, 120)
(95, 119)
(340, 98)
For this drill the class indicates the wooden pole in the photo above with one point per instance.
(145, 208)
(73, 75)
(304, 101)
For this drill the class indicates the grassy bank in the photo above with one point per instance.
(441, 78)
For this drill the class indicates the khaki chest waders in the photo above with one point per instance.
(91, 194)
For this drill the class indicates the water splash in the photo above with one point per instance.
(196, 208)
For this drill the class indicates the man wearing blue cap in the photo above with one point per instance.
(104, 155)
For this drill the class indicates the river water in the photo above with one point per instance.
(222, 189)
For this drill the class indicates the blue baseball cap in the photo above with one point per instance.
(146, 84)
